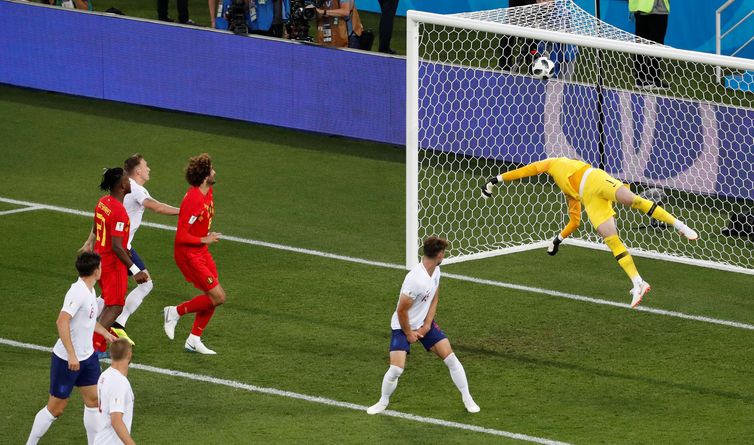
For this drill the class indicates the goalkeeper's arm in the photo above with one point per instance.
(532, 169)
(574, 219)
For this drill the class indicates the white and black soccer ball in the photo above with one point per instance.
(543, 68)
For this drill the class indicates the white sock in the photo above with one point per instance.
(42, 422)
(133, 301)
(637, 280)
(458, 375)
(92, 422)
(389, 383)
(100, 305)
(679, 225)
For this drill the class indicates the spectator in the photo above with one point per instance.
(339, 25)
(651, 24)
(72, 4)
(270, 15)
(387, 14)
(528, 48)
(183, 12)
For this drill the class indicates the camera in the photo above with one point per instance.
(237, 17)
(302, 11)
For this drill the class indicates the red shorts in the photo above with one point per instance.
(113, 282)
(198, 268)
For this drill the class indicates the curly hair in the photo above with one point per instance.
(433, 245)
(110, 178)
(198, 168)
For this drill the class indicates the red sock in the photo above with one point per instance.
(197, 304)
(201, 321)
(99, 342)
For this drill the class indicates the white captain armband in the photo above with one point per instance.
(134, 269)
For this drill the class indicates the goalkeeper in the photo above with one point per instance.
(596, 190)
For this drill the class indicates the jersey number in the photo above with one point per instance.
(101, 229)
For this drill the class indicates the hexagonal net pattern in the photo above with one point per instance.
(675, 126)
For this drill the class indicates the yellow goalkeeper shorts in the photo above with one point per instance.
(598, 196)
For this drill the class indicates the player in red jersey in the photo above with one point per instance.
(109, 238)
(192, 240)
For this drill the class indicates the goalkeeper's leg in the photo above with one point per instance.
(626, 197)
(609, 233)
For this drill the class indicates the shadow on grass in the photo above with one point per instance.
(540, 362)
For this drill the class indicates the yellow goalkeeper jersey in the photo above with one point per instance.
(566, 172)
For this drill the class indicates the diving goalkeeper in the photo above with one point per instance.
(596, 190)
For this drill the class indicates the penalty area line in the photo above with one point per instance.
(482, 281)
(313, 399)
(23, 209)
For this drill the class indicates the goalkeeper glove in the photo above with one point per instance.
(552, 249)
(488, 186)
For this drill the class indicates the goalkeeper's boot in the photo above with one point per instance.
(119, 332)
(638, 292)
(686, 231)
(376, 408)
(489, 186)
(552, 249)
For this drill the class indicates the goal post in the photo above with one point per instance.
(473, 109)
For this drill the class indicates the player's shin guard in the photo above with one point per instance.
(197, 304)
(201, 321)
(42, 422)
(389, 383)
(458, 375)
(92, 423)
(133, 301)
(653, 210)
(625, 261)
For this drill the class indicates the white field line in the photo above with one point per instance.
(308, 398)
(536, 290)
(24, 209)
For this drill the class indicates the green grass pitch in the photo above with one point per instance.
(538, 364)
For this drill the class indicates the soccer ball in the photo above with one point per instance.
(543, 68)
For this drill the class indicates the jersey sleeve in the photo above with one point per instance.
(140, 195)
(532, 169)
(409, 288)
(117, 399)
(190, 211)
(118, 222)
(72, 303)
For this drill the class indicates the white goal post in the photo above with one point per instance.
(652, 116)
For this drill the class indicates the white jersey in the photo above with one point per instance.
(421, 288)
(81, 304)
(134, 204)
(115, 396)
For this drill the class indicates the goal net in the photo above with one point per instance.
(652, 116)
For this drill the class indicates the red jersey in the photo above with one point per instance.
(194, 219)
(110, 219)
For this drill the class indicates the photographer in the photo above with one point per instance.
(338, 24)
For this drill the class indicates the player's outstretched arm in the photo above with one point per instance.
(574, 220)
(532, 169)
(160, 207)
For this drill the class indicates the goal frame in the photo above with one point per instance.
(415, 18)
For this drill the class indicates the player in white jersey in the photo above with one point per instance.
(74, 362)
(135, 202)
(116, 398)
(414, 320)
